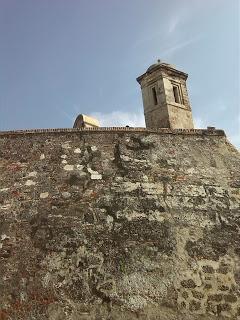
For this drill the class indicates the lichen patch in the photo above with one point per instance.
(69, 167)
(30, 183)
(44, 195)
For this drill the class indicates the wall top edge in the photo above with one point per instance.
(209, 132)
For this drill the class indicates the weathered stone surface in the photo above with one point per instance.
(123, 225)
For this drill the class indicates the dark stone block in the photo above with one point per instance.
(224, 269)
(208, 286)
(197, 295)
(208, 269)
(188, 284)
(215, 297)
(230, 298)
(194, 305)
(223, 288)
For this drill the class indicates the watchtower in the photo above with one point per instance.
(165, 98)
(83, 121)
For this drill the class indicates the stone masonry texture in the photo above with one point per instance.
(113, 225)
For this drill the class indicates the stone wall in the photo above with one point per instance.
(119, 224)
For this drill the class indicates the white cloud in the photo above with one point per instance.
(147, 40)
(234, 138)
(67, 115)
(180, 16)
(120, 119)
(180, 45)
(174, 22)
(200, 123)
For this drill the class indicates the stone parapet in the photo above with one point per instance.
(209, 132)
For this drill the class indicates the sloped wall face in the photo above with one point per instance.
(119, 226)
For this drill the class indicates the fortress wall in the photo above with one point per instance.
(123, 224)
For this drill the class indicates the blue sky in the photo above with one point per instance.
(59, 58)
